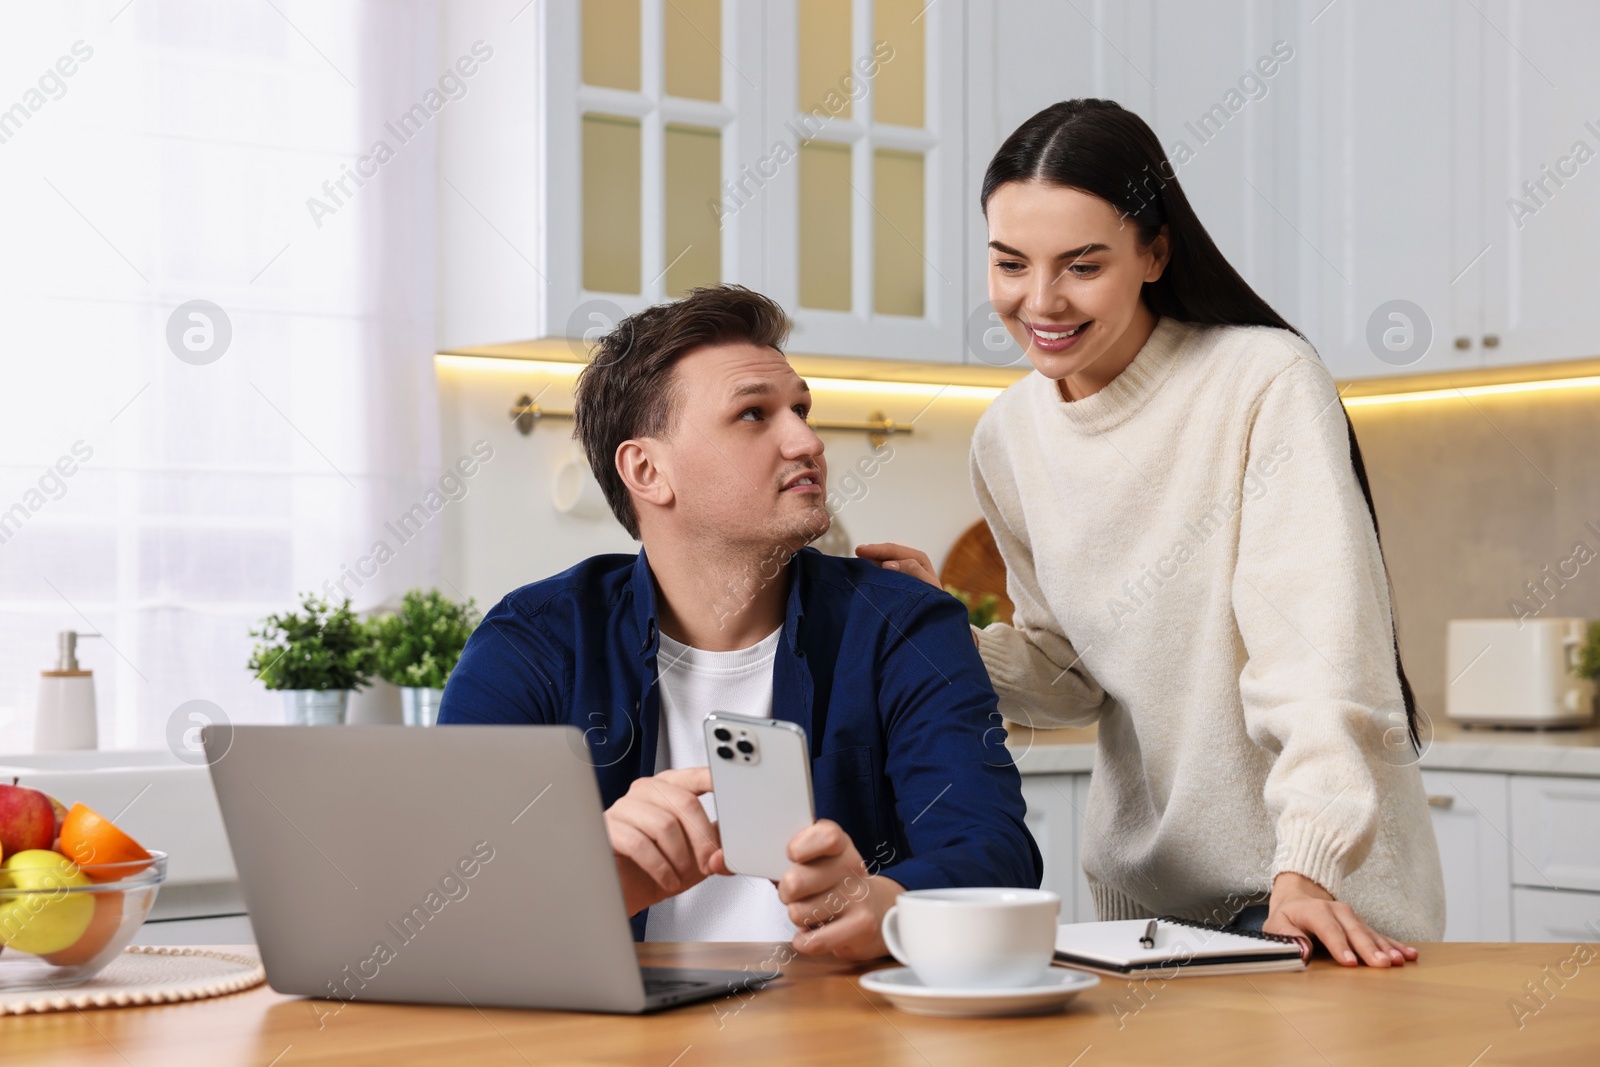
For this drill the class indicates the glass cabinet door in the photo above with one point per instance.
(866, 225)
(810, 149)
(650, 106)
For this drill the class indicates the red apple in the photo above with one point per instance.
(27, 819)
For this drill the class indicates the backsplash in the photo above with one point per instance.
(1475, 498)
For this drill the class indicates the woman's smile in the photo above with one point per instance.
(1049, 337)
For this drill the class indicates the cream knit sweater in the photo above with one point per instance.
(1195, 571)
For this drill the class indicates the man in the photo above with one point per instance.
(695, 426)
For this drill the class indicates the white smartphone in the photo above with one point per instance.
(761, 778)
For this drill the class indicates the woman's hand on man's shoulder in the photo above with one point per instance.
(902, 558)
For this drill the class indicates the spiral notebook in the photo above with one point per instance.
(1181, 948)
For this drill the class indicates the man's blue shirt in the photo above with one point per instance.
(907, 746)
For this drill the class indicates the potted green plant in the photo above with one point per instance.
(418, 646)
(1589, 661)
(315, 656)
(980, 611)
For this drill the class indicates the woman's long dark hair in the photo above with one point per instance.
(1109, 152)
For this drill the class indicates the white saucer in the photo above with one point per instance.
(1050, 994)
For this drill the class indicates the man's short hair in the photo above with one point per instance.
(628, 389)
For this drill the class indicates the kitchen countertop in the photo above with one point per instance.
(1450, 1007)
(1452, 747)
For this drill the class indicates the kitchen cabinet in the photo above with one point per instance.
(1229, 79)
(1520, 853)
(1541, 181)
(810, 149)
(861, 184)
(1555, 915)
(1402, 182)
(1555, 823)
(1472, 824)
(1053, 823)
(1423, 123)
(1083, 909)
(1391, 174)
(1056, 803)
(647, 109)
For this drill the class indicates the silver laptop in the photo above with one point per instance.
(448, 865)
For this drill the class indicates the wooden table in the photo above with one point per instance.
(1450, 1008)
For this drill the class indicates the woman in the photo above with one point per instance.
(1190, 544)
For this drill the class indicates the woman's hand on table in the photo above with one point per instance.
(903, 558)
(1301, 908)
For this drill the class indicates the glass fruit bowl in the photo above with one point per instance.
(60, 924)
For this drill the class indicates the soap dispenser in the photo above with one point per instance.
(66, 715)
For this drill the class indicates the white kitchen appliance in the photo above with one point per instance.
(1517, 673)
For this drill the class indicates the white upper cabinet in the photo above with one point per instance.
(649, 108)
(1228, 79)
(1448, 145)
(1408, 183)
(810, 149)
(1541, 131)
(863, 196)
(1389, 170)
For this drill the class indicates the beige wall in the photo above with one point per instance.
(1474, 498)
(1466, 511)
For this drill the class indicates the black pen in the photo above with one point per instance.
(1149, 938)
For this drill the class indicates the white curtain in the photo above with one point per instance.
(156, 153)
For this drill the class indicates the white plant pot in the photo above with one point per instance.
(419, 706)
(315, 707)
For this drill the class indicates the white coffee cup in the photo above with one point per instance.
(974, 938)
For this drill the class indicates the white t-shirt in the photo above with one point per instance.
(695, 683)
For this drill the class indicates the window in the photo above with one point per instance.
(224, 455)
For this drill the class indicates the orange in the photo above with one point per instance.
(103, 926)
(90, 839)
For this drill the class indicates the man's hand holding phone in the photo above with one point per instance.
(831, 897)
(661, 838)
(768, 826)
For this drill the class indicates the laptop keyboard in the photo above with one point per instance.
(656, 986)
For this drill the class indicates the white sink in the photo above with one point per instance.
(161, 801)
(92, 761)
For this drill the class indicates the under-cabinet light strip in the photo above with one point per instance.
(1457, 393)
(927, 389)
(985, 392)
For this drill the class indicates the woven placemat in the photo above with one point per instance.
(145, 974)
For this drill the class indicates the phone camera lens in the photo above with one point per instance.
(721, 734)
(746, 747)
(724, 751)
